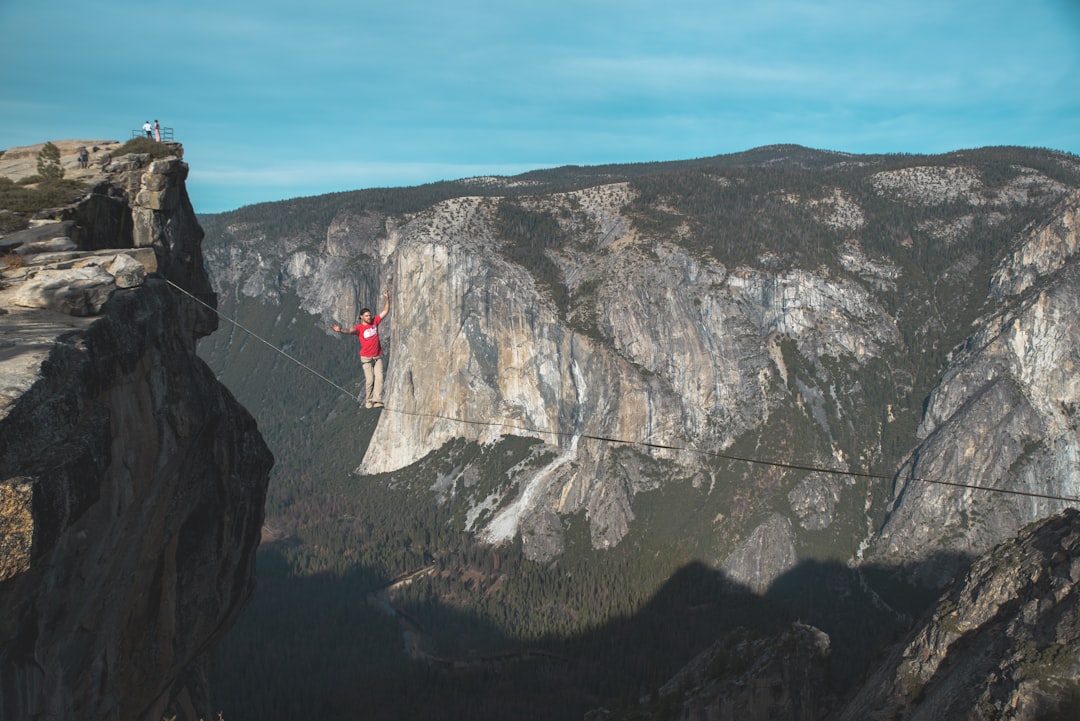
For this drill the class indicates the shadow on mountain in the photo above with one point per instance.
(911, 588)
(320, 647)
(323, 646)
(861, 609)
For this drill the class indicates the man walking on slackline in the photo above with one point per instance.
(367, 330)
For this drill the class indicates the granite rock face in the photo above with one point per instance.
(1004, 414)
(131, 481)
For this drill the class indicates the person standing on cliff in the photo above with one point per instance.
(148, 129)
(157, 131)
(367, 330)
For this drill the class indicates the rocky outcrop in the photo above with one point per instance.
(1000, 643)
(765, 556)
(140, 202)
(21, 162)
(131, 482)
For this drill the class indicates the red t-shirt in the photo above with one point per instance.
(368, 333)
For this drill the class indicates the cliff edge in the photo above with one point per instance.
(131, 481)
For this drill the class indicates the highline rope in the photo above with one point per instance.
(644, 444)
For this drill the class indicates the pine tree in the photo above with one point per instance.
(48, 162)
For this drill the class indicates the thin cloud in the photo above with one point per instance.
(423, 90)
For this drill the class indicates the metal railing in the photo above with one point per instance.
(166, 134)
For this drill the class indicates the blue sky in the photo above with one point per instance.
(276, 99)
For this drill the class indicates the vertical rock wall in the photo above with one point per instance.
(131, 481)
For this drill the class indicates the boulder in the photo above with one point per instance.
(127, 272)
(75, 291)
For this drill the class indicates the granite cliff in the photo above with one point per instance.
(131, 481)
(1004, 414)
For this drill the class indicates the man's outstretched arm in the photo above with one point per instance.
(386, 304)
